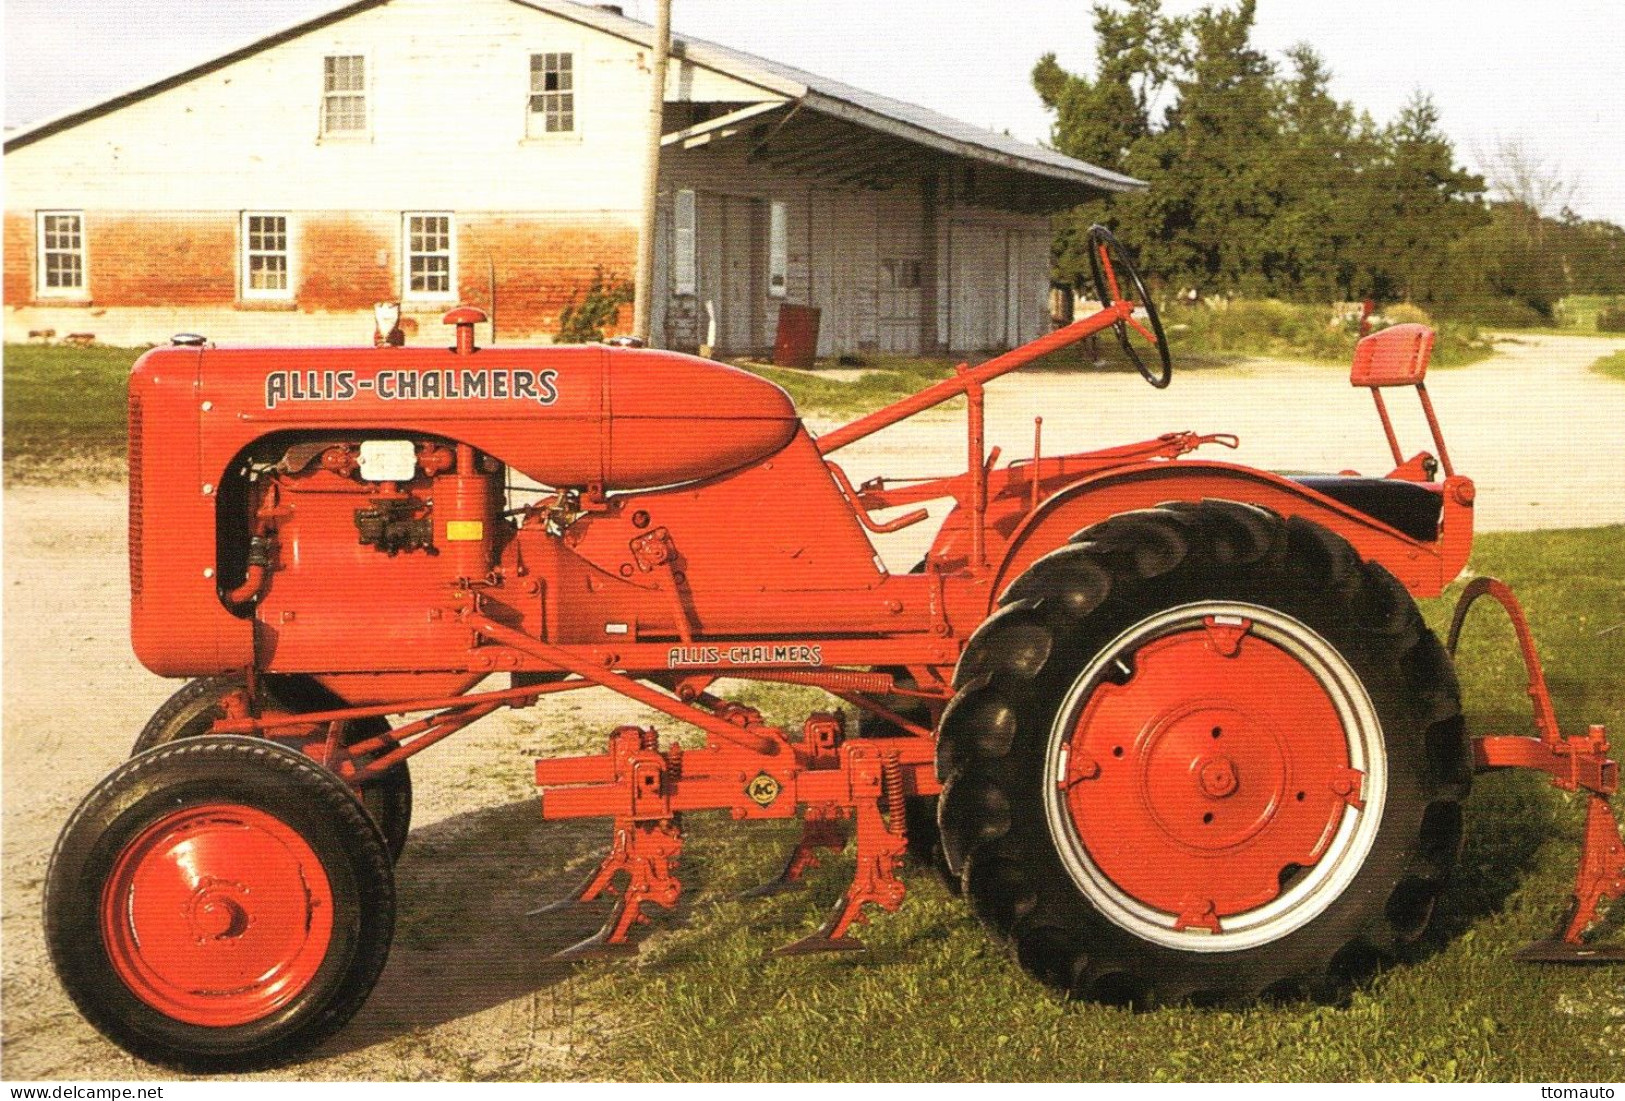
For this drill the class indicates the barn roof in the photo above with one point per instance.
(870, 110)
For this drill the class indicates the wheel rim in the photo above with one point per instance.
(1215, 777)
(217, 915)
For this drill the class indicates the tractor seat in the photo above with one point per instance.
(1409, 507)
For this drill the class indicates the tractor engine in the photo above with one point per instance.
(359, 548)
(333, 511)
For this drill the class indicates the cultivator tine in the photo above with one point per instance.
(646, 852)
(1599, 878)
(882, 841)
(816, 833)
(591, 888)
(1575, 763)
(831, 936)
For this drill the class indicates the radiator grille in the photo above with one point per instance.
(135, 496)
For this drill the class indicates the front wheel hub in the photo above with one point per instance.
(217, 915)
(1206, 773)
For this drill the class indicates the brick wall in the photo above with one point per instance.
(19, 271)
(337, 264)
(542, 264)
(149, 259)
(343, 262)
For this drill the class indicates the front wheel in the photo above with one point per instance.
(198, 704)
(219, 904)
(1200, 754)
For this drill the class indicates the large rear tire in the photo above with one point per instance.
(195, 707)
(1203, 754)
(219, 904)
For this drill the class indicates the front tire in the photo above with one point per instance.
(198, 704)
(219, 904)
(1202, 754)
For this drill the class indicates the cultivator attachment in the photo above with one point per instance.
(1575, 763)
(758, 774)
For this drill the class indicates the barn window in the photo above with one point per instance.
(429, 258)
(266, 256)
(344, 94)
(900, 275)
(682, 253)
(61, 252)
(552, 94)
(778, 249)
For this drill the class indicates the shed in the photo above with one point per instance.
(490, 152)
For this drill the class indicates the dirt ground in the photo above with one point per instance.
(468, 992)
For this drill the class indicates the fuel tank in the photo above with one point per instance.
(621, 418)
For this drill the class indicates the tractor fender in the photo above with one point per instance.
(1424, 568)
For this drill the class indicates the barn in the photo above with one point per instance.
(491, 152)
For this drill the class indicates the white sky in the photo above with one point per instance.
(1550, 76)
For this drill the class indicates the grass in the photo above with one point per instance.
(1612, 366)
(1574, 315)
(936, 1000)
(65, 407)
(1578, 312)
(1286, 330)
(1199, 337)
(65, 412)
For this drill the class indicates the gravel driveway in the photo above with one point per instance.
(467, 992)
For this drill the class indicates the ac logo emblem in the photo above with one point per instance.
(763, 790)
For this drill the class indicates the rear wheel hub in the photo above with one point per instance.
(1196, 770)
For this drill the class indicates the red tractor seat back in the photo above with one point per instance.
(1397, 356)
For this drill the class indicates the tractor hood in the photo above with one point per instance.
(621, 418)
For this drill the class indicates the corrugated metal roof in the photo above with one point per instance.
(903, 120)
(894, 116)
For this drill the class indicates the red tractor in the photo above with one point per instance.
(1174, 726)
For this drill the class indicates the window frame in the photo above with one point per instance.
(246, 252)
(533, 132)
(42, 289)
(409, 295)
(365, 131)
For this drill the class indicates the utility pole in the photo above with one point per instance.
(643, 288)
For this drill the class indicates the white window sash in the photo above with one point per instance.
(778, 249)
(683, 243)
(561, 103)
(364, 93)
(43, 253)
(249, 252)
(449, 252)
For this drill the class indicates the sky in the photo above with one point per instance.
(1549, 78)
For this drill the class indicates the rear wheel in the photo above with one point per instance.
(195, 707)
(219, 904)
(1200, 754)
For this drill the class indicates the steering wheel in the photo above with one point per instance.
(1106, 260)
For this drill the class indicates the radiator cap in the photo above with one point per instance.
(188, 340)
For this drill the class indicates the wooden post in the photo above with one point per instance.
(643, 288)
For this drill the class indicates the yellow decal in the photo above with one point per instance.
(763, 790)
(465, 531)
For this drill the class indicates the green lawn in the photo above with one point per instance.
(936, 1000)
(1613, 366)
(65, 411)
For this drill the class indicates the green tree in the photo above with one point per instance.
(1261, 181)
(1107, 120)
(1417, 203)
